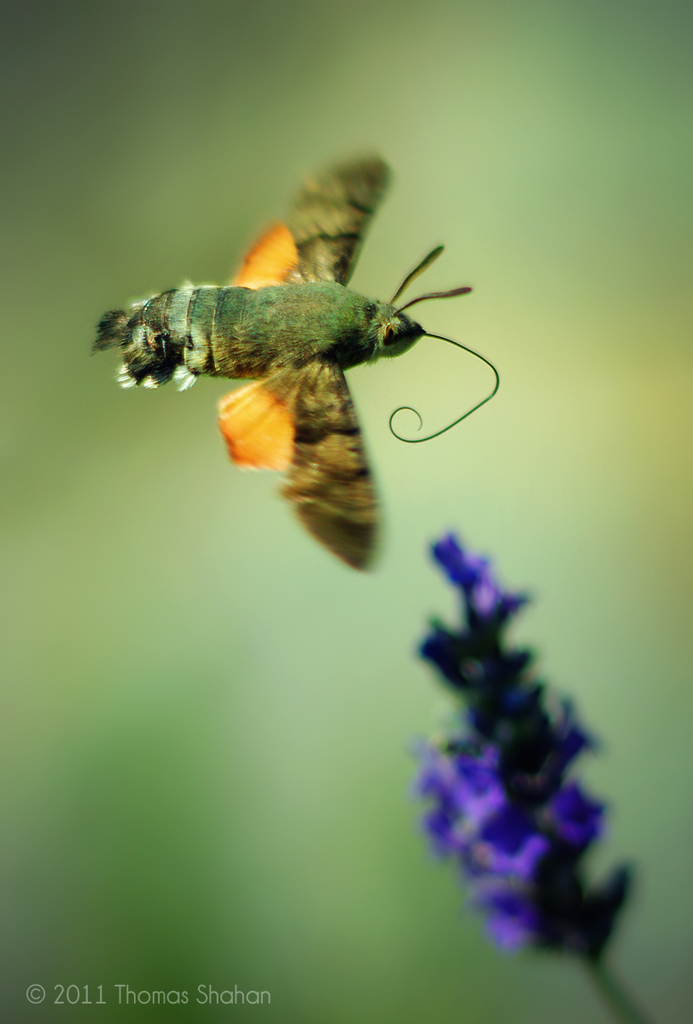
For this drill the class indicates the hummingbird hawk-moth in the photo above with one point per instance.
(290, 325)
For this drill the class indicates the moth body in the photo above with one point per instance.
(248, 334)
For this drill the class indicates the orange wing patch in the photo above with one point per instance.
(257, 427)
(270, 259)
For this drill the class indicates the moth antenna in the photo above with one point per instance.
(408, 408)
(425, 263)
(437, 295)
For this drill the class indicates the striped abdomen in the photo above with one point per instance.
(183, 332)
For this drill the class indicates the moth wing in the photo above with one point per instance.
(304, 422)
(324, 231)
(329, 481)
(257, 423)
(270, 260)
(330, 215)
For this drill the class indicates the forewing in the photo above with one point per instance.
(324, 231)
(330, 215)
(329, 481)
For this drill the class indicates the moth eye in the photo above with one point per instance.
(389, 335)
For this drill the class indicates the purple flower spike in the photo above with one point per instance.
(500, 802)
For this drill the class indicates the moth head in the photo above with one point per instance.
(150, 355)
(395, 332)
(399, 332)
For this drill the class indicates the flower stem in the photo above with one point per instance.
(613, 994)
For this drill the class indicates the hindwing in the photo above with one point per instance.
(329, 481)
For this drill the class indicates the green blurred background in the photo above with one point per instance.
(206, 719)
